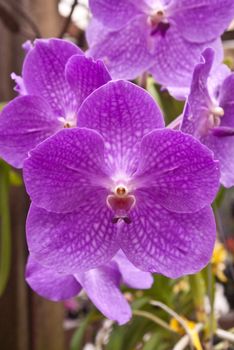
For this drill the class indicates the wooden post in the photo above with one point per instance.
(27, 322)
(14, 323)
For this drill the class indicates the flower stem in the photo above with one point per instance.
(211, 322)
(153, 318)
(198, 293)
(176, 316)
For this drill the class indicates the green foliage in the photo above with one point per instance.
(5, 234)
(15, 178)
(157, 341)
(78, 336)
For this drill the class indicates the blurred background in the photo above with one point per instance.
(204, 302)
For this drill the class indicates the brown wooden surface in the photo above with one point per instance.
(27, 322)
(46, 16)
(46, 324)
(14, 303)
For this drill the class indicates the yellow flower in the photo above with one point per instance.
(176, 327)
(181, 286)
(218, 261)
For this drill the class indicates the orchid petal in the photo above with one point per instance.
(72, 242)
(122, 113)
(177, 171)
(50, 284)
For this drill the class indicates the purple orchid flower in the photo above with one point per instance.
(101, 285)
(121, 181)
(209, 112)
(165, 37)
(56, 78)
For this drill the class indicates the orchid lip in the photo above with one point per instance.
(121, 203)
(156, 17)
(159, 23)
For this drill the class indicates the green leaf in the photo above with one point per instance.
(157, 341)
(5, 234)
(171, 107)
(162, 289)
(198, 289)
(15, 178)
(136, 333)
(151, 88)
(209, 279)
(77, 339)
(139, 303)
(220, 196)
(116, 341)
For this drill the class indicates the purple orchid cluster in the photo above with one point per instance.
(116, 195)
(164, 37)
(209, 112)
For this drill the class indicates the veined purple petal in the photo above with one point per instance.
(71, 242)
(66, 170)
(132, 276)
(128, 52)
(84, 75)
(217, 76)
(199, 114)
(122, 113)
(94, 31)
(50, 284)
(114, 13)
(177, 171)
(199, 101)
(227, 119)
(102, 287)
(176, 57)
(226, 99)
(201, 20)
(178, 93)
(25, 122)
(223, 148)
(43, 74)
(169, 243)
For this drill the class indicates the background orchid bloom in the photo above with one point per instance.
(121, 181)
(163, 37)
(56, 78)
(209, 112)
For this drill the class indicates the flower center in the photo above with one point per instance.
(157, 17)
(67, 122)
(158, 22)
(121, 202)
(121, 191)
